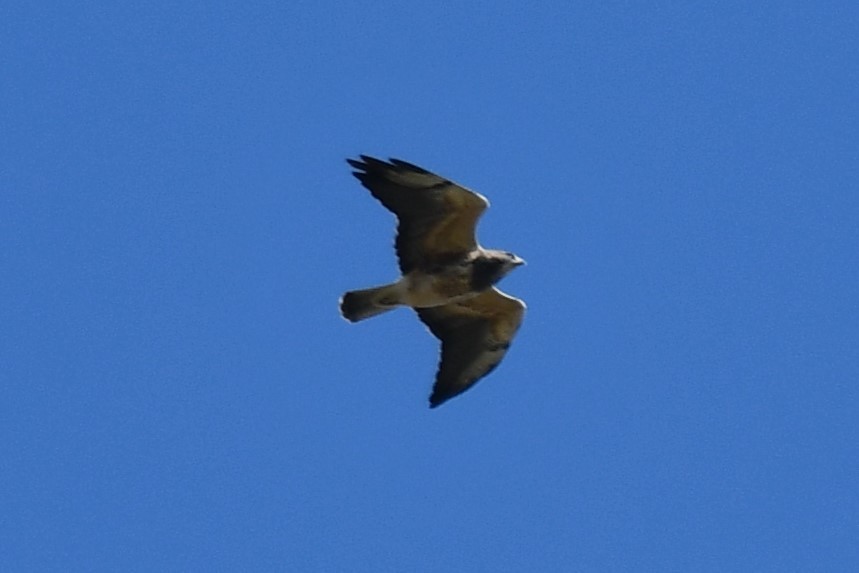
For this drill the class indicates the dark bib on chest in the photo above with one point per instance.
(485, 273)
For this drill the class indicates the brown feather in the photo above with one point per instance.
(475, 335)
(437, 218)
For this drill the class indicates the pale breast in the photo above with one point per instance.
(427, 290)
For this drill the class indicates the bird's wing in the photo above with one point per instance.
(437, 218)
(475, 335)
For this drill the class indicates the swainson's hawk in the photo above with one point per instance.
(446, 276)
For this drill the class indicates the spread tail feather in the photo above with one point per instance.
(361, 304)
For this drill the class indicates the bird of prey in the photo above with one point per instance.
(447, 277)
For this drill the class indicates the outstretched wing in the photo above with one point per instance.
(475, 335)
(437, 218)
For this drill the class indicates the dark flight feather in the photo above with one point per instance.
(475, 335)
(437, 218)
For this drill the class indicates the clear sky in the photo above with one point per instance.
(177, 222)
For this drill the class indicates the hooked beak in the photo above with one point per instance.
(519, 262)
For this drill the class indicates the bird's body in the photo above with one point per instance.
(446, 285)
(447, 277)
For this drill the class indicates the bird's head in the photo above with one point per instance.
(492, 266)
(512, 261)
(504, 260)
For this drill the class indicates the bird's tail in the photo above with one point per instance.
(360, 304)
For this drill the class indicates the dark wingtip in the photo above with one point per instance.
(356, 164)
(407, 165)
(368, 163)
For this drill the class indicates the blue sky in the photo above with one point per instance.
(177, 223)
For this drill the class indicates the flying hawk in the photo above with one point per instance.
(446, 276)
